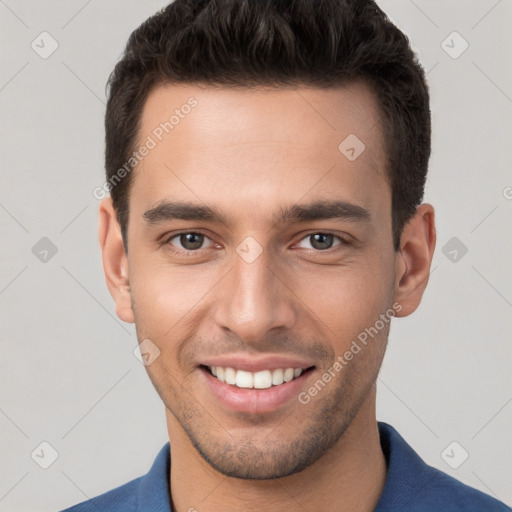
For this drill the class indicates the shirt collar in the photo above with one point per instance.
(154, 495)
(405, 471)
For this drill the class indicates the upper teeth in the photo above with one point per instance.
(257, 380)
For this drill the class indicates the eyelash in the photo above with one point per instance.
(183, 252)
(190, 253)
(343, 241)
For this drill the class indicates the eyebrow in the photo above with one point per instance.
(166, 210)
(318, 210)
(322, 210)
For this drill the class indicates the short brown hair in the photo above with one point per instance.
(319, 43)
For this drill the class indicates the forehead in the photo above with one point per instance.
(260, 147)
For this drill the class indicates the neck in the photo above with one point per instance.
(351, 475)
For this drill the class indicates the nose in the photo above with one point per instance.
(254, 299)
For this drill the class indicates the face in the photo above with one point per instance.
(260, 241)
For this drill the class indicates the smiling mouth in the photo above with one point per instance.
(255, 380)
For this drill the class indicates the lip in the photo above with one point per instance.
(254, 401)
(257, 364)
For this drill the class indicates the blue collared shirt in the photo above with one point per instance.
(411, 486)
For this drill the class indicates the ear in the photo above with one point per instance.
(115, 261)
(414, 258)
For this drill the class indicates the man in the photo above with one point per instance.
(266, 164)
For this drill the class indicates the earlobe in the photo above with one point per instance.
(115, 261)
(414, 259)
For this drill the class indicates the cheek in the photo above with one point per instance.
(165, 296)
(347, 300)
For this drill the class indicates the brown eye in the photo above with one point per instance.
(191, 241)
(321, 241)
(188, 241)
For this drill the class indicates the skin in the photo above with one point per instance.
(247, 154)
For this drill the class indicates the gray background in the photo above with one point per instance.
(68, 373)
